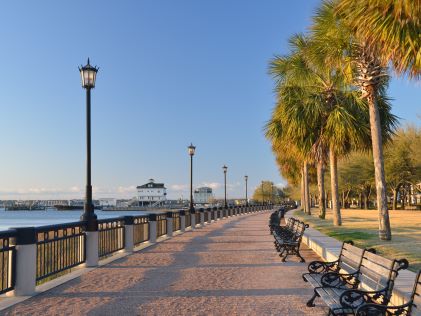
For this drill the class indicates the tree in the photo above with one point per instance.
(388, 27)
(325, 117)
(267, 192)
(357, 173)
(400, 165)
(370, 76)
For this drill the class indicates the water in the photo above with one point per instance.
(10, 219)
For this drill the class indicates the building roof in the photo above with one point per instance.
(151, 185)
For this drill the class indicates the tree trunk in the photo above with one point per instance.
(303, 202)
(360, 201)
(366, 201)
(306, 189)
(336, 210)
(321, 187)
(395, 197)
(385, 232)
(327, 200)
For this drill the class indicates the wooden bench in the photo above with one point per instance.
(284, 230)
(349, 261)
(412, 307)
(344, 293)
(274, 221)
(288, 239)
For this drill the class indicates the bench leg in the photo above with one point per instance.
(299, 256)
(310, 302)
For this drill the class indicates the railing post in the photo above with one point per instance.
(182, 221)
(26, 261)
(128, 234)
(169, 224)
(209, 210)
(202, 217)
(193, 218)
(152, 228)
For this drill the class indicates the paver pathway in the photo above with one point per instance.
(227, 268)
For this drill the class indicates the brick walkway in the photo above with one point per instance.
(227, 268)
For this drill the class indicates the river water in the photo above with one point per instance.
(10, 219)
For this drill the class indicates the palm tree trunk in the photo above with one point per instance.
(306, 189)
(336, 210)
(303, 202)
(321, 187)
(385, 232)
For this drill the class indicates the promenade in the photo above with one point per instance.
(227, 268)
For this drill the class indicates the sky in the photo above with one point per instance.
(171, 73)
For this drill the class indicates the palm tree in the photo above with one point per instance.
(361, 63)
(320, 99)
(389, 27)
(292, 153)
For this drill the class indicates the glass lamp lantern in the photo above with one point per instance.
(88, 75)
(225, 168)
(191, 149)
(246, 178)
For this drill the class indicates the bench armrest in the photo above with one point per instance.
(355, 298)
(321, 266)
(335, 279)
(376, 309)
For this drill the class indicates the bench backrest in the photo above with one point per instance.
(378, 274)
(291, 222)
(350, 258)
(299, 229)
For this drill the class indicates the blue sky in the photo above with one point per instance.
(171, 73)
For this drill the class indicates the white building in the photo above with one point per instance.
(151, 194)
(202, 195)
(107, 202)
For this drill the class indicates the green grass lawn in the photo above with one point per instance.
(361, 226)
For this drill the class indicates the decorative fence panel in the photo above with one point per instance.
(140, 229)
(7, 261)
(176, 221)
(110, 236)
(161, 225)
(59, 248)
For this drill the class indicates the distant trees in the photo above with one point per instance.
(267, 192)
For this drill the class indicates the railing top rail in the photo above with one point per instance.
(109, 220)
(8, 233)
(141, 216)
(45, 228)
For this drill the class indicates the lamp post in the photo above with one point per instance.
(88, 75)
(246, 177)
(263, 198)
(191, 150)
(225, 168)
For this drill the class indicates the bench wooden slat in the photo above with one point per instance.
(380, 261)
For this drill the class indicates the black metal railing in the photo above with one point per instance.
(176, 221)
(161, 225)
(7, 261)
(140, 229)
(59, 248)
(188, 218)
(110, 236)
